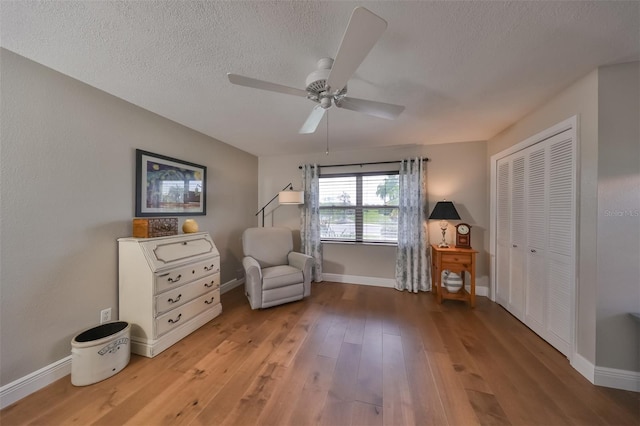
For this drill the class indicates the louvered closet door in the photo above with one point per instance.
(535, 237)
(503, 224)
(517, 234)
(561, 243)
(535, 253)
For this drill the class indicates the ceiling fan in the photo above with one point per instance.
(327, 85)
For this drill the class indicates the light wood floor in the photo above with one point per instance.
(349, 355)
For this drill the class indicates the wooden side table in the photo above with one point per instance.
(457, 260)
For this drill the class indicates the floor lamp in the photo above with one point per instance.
(286, 196)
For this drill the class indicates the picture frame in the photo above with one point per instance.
(167, 186)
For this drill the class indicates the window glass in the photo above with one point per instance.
(338, 191)
(359, 207)
(338, 224)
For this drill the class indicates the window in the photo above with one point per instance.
(360, 207)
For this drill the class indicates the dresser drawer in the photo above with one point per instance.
(179, 296)
(464, 258)
(184, 313)
(185, 274)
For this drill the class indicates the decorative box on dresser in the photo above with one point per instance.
(168, 288)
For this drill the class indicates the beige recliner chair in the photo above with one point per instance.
(274, 273)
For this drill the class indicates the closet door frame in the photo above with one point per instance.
(571, 125)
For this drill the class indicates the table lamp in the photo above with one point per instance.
(443, 211)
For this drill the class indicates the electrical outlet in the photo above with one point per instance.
(105, 315)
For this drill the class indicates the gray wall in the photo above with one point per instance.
(617, 342)
(457, 172)
(606, 102)
(67, 176)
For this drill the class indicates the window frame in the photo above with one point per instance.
(359, 208)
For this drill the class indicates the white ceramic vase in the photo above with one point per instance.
(452, 281)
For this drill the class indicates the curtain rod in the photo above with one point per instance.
(362, 164)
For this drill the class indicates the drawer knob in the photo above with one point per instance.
(173, 321)
(209, 285)
(177, 299)
(210, 301)
(171, 280)
(208, 268)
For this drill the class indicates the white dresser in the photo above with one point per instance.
(168, 287)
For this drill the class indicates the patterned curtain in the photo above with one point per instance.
(310, 218)
(413, 262)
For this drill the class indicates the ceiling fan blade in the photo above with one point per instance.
(265, 85)
(377, 109)
(363, 31)
(313, 120)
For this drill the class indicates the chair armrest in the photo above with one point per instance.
(299, 260)
(304, 263)
(252, 281)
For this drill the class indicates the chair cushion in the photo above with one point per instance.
(280, 276)
(269, 246)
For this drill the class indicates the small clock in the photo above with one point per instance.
(463, 236)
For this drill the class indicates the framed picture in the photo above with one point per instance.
(166, 186)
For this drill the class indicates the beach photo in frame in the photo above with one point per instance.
(167, 186)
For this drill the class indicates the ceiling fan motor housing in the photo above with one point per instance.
(316, 83)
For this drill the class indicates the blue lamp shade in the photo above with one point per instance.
(444, 210)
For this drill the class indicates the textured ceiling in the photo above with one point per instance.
(464, 70)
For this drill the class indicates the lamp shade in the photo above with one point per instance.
(444, 210)
(291, 197)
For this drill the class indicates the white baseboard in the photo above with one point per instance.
(584, 367)
(230, 285)
(357, 279)
(618, 379)
(482, 286)
(30, 383)
(607, 377)
(481, 291)
(35, 381)
(380, 282)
